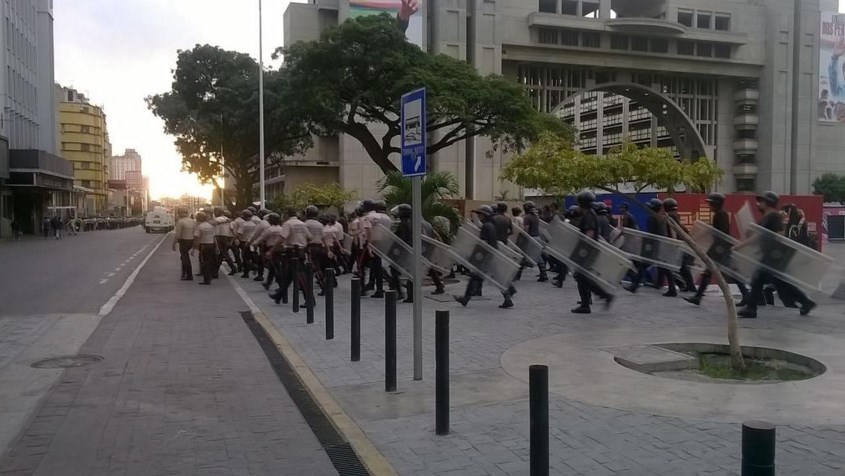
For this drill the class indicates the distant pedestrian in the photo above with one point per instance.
(45, 227)
(16, 230)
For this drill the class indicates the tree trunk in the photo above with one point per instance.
(737, 362)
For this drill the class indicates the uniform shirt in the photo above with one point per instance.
(365, 227)
(256, 219)
(604, 226)
(246, 230)
(353, 227)
(589, 221)
(295, 233)
(405, 230)
(489, 234)
(185, 229)
(772, 221)
(332, 234)
(532, 224)
(657, 225)
(379, 218)
(628, 221)
(503, 227)
(236, 226)
(259, 229)
(677, 219)
(223, 226)
(315, 228)
(270, 236)
(519, 223)
(205, 232)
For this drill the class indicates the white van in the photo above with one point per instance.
(158, 221)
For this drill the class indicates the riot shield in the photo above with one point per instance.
(484, 260)
(437, 255)
(597, 261)
(785, 259)
(744, 219)
(530, 247)
(719, 247)
(654, 249)
(392, 251)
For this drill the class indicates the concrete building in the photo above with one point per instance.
(84, 141)
(735, 80)
(27, 115)
(130, 161)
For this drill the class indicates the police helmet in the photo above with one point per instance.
(227, 213)
(252, 209)
(274, 218)
(359, 211)
(716, 199)
(368, 206)
(585, 198)
(769, 197)
(218, 211)
(528, 206)
(670, 204)
(572, 211)
(601, 208)
(485, 210)
(502, 207)
(263, 212)
(311, 211)
(380, 206)
(655, 204)
(201, 216)
(246, 214)
(404, 211)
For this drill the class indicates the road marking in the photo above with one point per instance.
(108, 306)
(104, 281)
(118, 269)
(110, 274)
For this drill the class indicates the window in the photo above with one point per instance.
(639, 43)
(703, 20)
(569, 38)
(686, 48)
(618, 42)
(86, 183)
(86, 147)
(705, 50)
(590, 9)
(548, 36)
(745, 185)
(659, 45)
(685, 17)
(86, 129)
(570, 7)
(590, 40)
(548, 6)
(722, 51)
(723, 22)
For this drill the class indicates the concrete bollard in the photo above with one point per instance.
(441, 382)
(356, 320)
(538, 402)
(329, 304)
(309, 293)
(390, 341)
(294, 264)
(758, 448)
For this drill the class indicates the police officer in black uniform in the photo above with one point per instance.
(588, 225)
(487, 235)
(671, 207)
(602, 212)
(656, 226)
(531, 221)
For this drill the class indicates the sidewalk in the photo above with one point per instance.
(604, 419)
(183, 388)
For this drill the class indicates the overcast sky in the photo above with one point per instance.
(119, 52)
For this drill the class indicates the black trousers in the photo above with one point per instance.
(707, 276)
(248, 259)
(586, 288)
(223, 245)
(185, 256)
(208, 260)
(762, 277)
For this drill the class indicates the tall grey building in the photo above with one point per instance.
(130, 161)
(739, 81)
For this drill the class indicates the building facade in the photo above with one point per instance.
(734, 80)
(83, 137)
(130, 161)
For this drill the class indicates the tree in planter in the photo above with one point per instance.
(323, 196)
(352, 79)
(435, 187)
(555, 167)
(212, 111)
(831, 186)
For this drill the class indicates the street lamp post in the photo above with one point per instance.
(261, 105)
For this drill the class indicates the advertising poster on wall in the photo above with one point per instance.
(396, 8)
(832, 68)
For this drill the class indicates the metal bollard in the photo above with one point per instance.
(356, 320)
(538, 402)
(390, 341)
(441, 382)
(309, 293)
(330, 304)
(758, 448)
(294, 264)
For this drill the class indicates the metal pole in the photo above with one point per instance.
(309, 293)
(538, 403)
(294, 264)
(416, 199)
(356, 320)
(390, 341)
(441, 379)
(330, 304)
(261, 104)
(758, 448)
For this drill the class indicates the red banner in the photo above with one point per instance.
(692, 207)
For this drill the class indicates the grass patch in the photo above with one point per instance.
(719, 366)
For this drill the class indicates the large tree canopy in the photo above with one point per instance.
(831, 186)
(212, 111)
(355, 75)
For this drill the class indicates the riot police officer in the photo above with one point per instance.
(588, 225)
(488, 235)
(671, 207)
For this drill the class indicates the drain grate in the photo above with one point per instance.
(66, 362)
(341, 454)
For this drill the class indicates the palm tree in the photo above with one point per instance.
(435, 187)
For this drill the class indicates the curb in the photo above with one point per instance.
(375, 462)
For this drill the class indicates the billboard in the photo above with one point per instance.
(831, 106)
(415, 30)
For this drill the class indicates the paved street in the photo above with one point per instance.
(183, 387)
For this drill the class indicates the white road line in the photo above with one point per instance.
(110, 274)
(118, 269)
(104, 281)
(108, 306)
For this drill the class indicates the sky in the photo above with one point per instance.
(119, 52)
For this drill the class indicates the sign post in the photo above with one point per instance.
(413, 119)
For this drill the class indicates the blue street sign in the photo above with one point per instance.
(413, 122)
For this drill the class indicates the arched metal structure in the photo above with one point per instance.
(680, 127)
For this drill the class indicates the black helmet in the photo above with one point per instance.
(655, 204)
(716, 199)
(274, 218)
(501, 207)
(252, 209)
(201, 216)
(218, 211)
(404, 211)
(380, 206)
(263, 212)
(368, 206)
(311, 211)
(601, 208)
(585, 198)
(670, 204)
(227, 213)
(573, 211)
(485, 210)
(528, 206)
(359, 211)
(246, 214)
(769, 197)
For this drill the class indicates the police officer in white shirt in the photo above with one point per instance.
(316, 245)
(268, 238)
(258, 250)
(223, 236)
(246, 230)
(204, 242)
(378, 216)
(184, 237)
(295, 238)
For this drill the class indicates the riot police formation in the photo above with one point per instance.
(488, 235)
(589, 226)
(656, 226)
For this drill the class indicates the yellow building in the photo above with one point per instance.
(83, 138)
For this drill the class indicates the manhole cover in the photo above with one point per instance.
(67, 361)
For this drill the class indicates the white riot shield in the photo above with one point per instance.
(392, 251)
(719, 247)
(484, 260)
(530, 247)
(654, 249)
(744, 220)
(598, 261)
(347, 242)
(513, 254)
(785, 259)
(437, 255)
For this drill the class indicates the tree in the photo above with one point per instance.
(322, 195)
(554, 166)
(832, 186)
(212, 111)
(434, 187)
(352, 79)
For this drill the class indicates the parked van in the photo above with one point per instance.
(158, 221)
